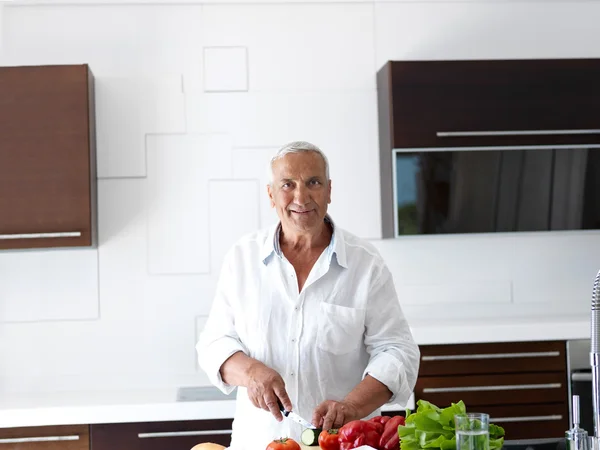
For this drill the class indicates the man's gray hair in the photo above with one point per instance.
(297, 147)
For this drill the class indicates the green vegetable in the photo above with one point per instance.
(430, 427)
(310, 437)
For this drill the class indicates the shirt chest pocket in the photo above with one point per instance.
(341, 328)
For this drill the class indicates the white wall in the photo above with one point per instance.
(191, 101)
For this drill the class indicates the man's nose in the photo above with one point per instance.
(302, 196)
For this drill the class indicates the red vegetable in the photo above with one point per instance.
(390, 440)
(283, 444)
(360, 432)
(380, 419)
(329, 440)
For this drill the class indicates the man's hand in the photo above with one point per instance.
(265, 387)
(332, 414)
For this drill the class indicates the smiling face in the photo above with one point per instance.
(300, 191)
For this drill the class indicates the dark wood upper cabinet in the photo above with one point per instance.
(442, 103)
(47, 157)
(499, 105)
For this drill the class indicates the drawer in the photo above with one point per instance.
(530, 421)
(71, 437)
(506, 357)
(181, 435)
(504, 389)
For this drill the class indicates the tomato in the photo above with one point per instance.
(283, 444)
(329, 440)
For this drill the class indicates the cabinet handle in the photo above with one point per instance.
(182, 433)
(514, 133)
(39, 439)
(526, 418)
(40, 235)
(581, 377)
(505, 387)
(490, 356)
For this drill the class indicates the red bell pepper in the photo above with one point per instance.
(390, 439)
(360, 432)
(380, 419)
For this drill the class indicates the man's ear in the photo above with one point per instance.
(270, 192)
(329, 192)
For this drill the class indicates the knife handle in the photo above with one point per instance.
(282, 409)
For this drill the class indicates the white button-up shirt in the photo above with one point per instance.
(345, 323)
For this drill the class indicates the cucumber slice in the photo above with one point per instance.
(310, 437)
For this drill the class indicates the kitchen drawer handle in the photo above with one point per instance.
(39, 439)
(505, 387)
(182, 433)
(491, 356)
(514, 133)
(526, 418)
(581, 376)
(40, 235)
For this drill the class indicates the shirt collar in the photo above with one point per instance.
(336, 245)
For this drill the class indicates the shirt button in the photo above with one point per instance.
(293, 340)
(292, 374)
(296, 308)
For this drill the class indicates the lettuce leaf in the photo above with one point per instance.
(431, 427)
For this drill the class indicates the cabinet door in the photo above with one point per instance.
(71, 437)
(483, 103)
(160, 435)
(47, 157)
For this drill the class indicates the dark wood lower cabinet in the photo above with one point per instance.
(67, 437)
(521, 385)
(160, 435)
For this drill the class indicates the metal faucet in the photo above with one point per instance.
(595, 361)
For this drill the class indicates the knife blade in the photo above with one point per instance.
(296, 418)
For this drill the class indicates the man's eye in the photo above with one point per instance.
(315, 182)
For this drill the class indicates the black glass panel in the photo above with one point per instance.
(483, 191)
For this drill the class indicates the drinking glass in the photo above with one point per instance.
(472, 431)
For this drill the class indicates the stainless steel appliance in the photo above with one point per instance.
(595, 361)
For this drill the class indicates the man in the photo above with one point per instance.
(305, 314)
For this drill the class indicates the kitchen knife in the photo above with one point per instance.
(295, 417)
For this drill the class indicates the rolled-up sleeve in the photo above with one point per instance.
(394, 355)
(219, 339)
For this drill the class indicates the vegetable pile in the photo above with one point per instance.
(430, 427)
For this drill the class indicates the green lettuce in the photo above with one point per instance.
(430, 427)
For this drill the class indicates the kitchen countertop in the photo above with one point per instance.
(514, 329)
(74, 408)
(71, 408)
(65, 408)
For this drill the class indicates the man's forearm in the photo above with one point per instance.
(368, 395)
(234, 371)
